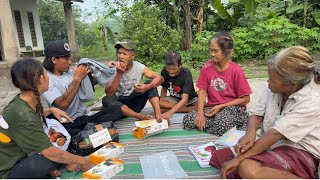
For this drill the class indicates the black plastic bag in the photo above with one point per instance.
(81, 144)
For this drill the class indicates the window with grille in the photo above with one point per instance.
(17, 18)
(32, 29)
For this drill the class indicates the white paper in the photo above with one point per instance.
(145, 123)
(231, 137)
(100, 138)
(152, 123)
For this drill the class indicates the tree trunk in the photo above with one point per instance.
(305, 9)
(188, 32)
(200, 16)
(177, 19)
(104, 43)
(67, 4)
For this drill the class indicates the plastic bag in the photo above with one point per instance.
(57, 134)
(81, 144)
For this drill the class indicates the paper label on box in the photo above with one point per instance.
(100, 138)
(164, 124)
(145, 123)
(105, 170)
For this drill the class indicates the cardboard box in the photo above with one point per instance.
(105, 170)
(110, 150)
(148, 128)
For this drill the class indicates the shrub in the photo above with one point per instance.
(200, 48)
(262, 40)
(266, 38)
(97, 52)
(152, 37)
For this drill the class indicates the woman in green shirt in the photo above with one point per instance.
(29, 152)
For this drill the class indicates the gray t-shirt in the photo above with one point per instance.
(59, 85)
(129, 79)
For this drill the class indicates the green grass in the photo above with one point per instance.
(99, 92)
(97, 53)
(252, 72)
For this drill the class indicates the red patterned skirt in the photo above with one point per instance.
(296, 161)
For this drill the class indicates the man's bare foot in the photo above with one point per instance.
(55, 173)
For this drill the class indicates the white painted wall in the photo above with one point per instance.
(25, 6)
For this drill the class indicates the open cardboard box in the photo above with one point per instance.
(110, 150)
(148, 128)
(105, 170)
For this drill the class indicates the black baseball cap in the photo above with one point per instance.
(57, 48)
(125, 43)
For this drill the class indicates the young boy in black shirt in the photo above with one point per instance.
(178, 82)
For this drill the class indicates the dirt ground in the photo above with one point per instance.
(7, 89)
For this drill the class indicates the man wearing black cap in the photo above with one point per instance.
(63, 89)
(126, 91)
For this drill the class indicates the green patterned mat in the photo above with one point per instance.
(174, 138)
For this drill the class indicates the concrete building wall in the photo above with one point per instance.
(25, 6)
(9, 42)
(9, 45)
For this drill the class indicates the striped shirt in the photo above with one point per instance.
(299, 120)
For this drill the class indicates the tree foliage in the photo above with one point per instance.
(152, 37)
(105, 22)
(266, 38)
(52, 20)
(200, 50)
(103, 28)
(260, 41)
(53, 24)
(309, 9)
(260, 27)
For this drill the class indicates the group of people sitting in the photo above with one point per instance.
(287, 111)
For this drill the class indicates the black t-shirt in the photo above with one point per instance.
(180, 84)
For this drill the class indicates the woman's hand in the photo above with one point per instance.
(245, 143)
(229, 167)
(85, 167)
(200, 121)
(73, 167)
(61, 115)
(214, 110)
